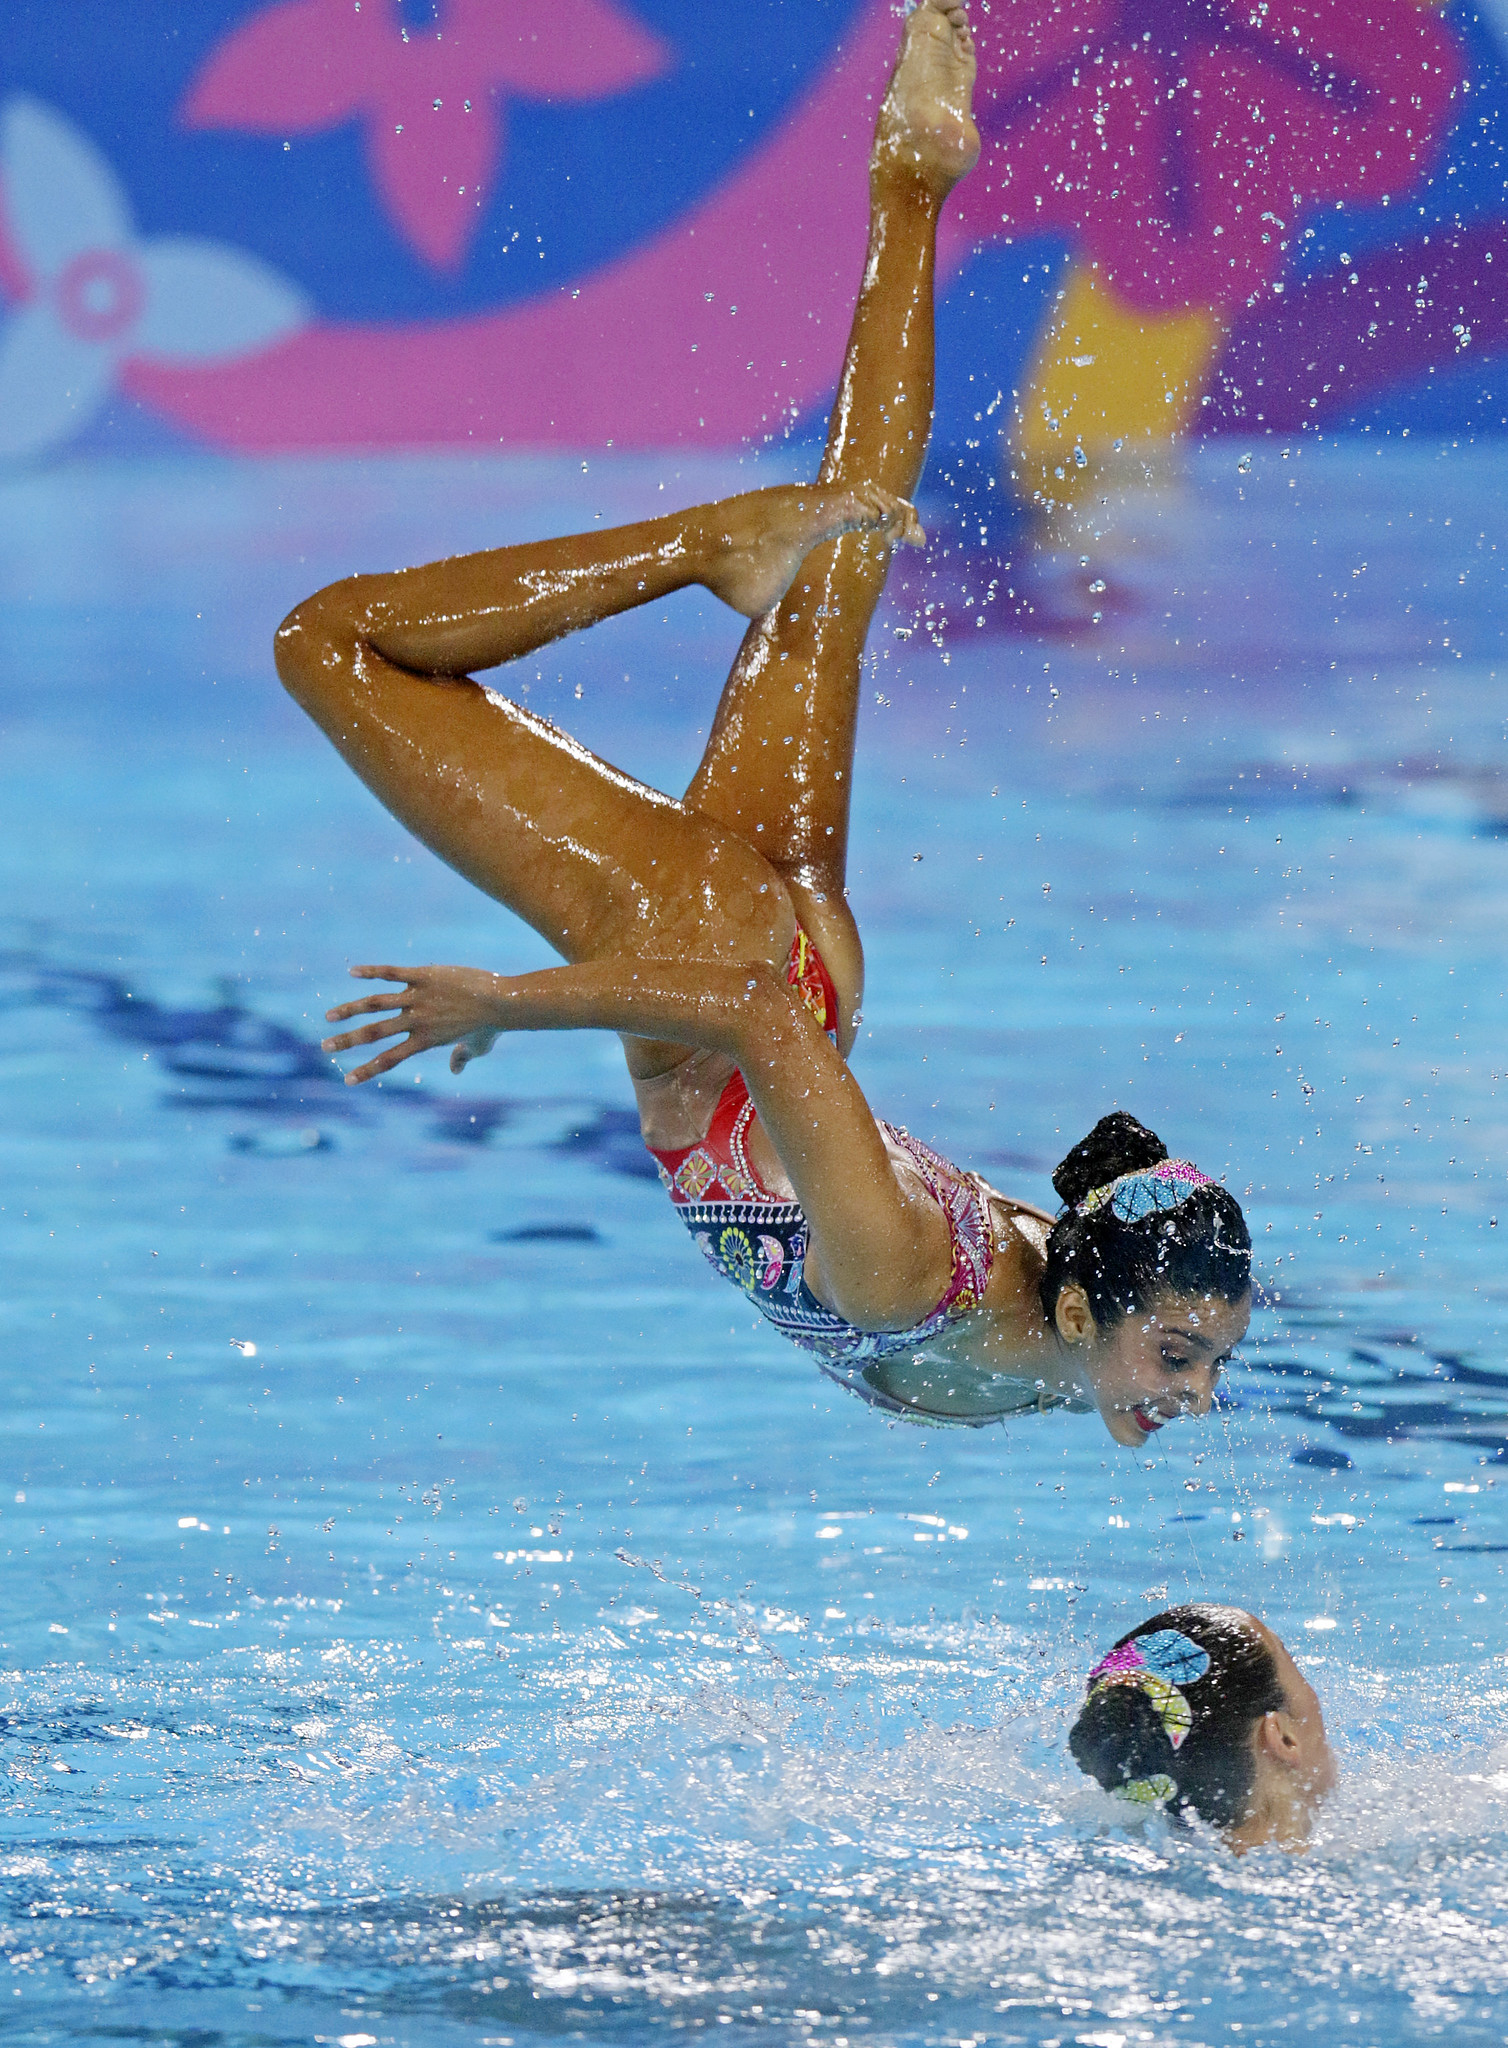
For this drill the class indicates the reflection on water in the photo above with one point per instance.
(433, 1613)
(729, 1853)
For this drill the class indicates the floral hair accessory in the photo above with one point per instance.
(1154, 1791)
(1160, 1665)
(1147, 1191)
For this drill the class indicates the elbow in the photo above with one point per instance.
(302, 646)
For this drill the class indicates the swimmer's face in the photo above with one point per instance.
(1298, 1746)
(1155, 1364)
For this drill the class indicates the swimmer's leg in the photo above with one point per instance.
(479, 611)
(593, 860)
(778, 765)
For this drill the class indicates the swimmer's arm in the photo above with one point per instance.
(879, 1251)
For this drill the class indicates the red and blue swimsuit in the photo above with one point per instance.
(758, 1240)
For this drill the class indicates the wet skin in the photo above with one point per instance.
(1295, 1765)
(675, 916)
(1150, 1368)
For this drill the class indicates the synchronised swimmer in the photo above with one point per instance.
(713, 932)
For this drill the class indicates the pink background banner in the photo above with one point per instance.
(303, 225)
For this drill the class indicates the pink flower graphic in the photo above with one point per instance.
(429, 99)
(1175, 140)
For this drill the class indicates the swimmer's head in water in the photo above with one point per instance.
(1201, 1708)
(1148, 1276)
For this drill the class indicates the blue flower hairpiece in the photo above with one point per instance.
(1147, 1191)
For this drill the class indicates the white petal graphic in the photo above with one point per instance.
(61, 197)
(51, 383)
(1495, 11)
(207, 302)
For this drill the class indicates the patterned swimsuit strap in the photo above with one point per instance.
(964, 1201)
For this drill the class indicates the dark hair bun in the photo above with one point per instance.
(1118, 1737)
(1118, 1144)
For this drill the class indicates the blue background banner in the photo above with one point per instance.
(313, 223)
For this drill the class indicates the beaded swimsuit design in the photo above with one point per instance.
(758, 1240)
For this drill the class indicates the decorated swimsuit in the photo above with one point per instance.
(758, 1240)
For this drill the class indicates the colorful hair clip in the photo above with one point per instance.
(1154, 1791)
(1158, 1664)
(1147, 1191)
(1173, 1655)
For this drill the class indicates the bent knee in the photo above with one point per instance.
(314, 649)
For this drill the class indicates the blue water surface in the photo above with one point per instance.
(436, 1611)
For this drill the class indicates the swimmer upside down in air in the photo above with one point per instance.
(712, 933)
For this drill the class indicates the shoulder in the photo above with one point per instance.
(1016, 1211)
(1020, 1234)
(1026, 1224)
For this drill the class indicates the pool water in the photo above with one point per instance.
(435, 1611)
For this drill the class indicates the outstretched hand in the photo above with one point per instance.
(437, 1006)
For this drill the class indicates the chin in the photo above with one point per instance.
(1125, 1429)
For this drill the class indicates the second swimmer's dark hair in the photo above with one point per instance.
(1201, 1247)
(1120, 1739)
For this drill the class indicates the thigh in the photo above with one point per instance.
(594, 860)
(778, 767)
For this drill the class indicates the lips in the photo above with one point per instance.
(1148, 1423)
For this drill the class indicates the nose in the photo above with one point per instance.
(1199, 1395)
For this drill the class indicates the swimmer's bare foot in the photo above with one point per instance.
(927, 121)
(757, 542)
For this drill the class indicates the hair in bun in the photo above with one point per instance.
(1118, 1144)
(1174, 1233)
(1171, 1724)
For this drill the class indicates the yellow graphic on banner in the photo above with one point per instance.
(1111, 387)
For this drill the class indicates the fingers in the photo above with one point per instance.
(369, 1034)
(363, 1006)
(474, 1046)
(901, 526)
(383, 1064)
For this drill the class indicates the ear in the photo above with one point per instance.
(1075, 1322)
(1277, 1741)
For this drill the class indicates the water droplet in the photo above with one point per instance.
(1244, 465)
